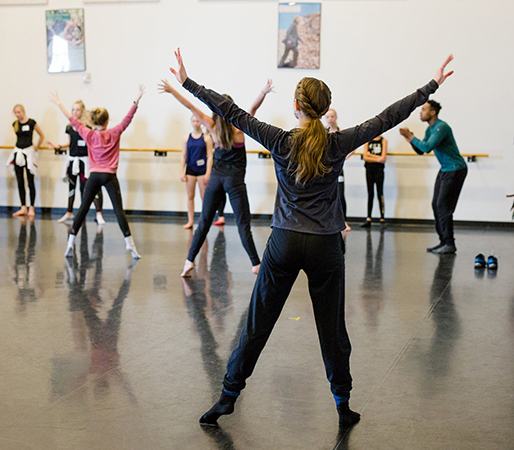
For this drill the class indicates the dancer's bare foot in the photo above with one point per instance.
(188, 225)
(32, 212)
(188, 268)
(255, 269)
(21, 212)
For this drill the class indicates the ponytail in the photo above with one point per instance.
(224, 131)
(308, 146)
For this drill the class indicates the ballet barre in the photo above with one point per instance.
(263, 154)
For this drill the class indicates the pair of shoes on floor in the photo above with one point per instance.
(443, 249)
(491, 264)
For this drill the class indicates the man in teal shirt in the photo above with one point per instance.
(439, 138)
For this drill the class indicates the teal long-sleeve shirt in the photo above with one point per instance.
(439, 138)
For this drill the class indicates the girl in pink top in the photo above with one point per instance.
(104, 152)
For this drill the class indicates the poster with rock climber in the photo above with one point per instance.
(298, 35)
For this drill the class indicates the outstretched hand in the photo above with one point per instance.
(268, 88)
(54, 98)
(181, 74)
(164, 87)
(440, 76)
(141, 92)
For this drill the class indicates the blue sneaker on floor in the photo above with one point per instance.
(492, 262)
(479, 261)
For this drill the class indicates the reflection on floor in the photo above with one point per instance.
(98, 352)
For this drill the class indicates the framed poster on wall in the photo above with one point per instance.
(65, 40)
(299, 35)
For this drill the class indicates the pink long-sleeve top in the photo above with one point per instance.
(104, 145)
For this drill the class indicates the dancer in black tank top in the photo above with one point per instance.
(77, 166)
(375, 155)
(24, 158)
(227, 177)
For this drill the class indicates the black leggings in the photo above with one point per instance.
(375, 175)
(322, 259)
(216, 190)
(72, 188)
(446, 193)
(21, 183)
(93, 186)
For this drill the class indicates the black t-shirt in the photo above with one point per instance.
(24, 133)
(375, 148)
(78, 145)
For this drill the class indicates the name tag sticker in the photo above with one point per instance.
(25, 128)
(81, 143)
(200, 162)
(340, 179)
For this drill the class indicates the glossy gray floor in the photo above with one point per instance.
(98, 353)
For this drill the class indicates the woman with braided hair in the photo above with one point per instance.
(307, 224)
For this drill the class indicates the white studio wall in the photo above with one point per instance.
(372, 53)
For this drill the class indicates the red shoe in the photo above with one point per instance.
(219, 222)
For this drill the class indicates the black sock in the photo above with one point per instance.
(347, 417)
(224, 406)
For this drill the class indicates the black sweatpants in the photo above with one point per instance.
(93, 186)
(18, 170)
(217, 187)
(446, 193)
(72, 187)
(375, 176)
(322, 259)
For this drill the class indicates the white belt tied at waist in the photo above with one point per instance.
(74, 161)
(21, 157)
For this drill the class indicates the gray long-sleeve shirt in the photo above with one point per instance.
(314, 208)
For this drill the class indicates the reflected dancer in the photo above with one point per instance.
(447, 326)
(25, 264)
(372, 284)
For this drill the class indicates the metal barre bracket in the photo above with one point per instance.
(59, 152)
(472, 158)
(160, 153)
(263, 155)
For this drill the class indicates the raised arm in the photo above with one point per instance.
(353, 138)
(77, 124)
(260, 98)
(122, 126)
(54, 98)
(268, 136)
(204, 119)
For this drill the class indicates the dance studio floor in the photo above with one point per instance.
(98, 353)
